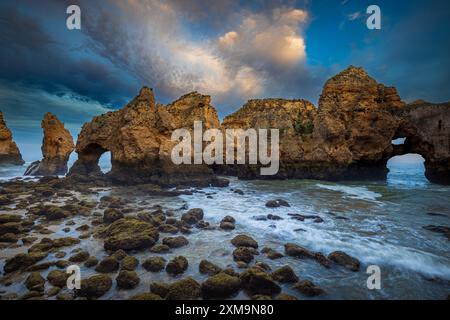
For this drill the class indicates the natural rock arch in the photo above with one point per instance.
(139, 139)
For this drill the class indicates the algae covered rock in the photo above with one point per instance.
(177, 265)
(95, 286)
(130, 234)
(220, 285)
(257, 281)
(185, 289)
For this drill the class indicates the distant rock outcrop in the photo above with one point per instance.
(9, 153)
(349, 136)
(57, 146)
(355, 125)
(294, 119)
(139, 139)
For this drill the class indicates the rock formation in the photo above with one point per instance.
(139, 139)
(355, 125)
(57, 146)
(9, 153)
(294, 119)
(426, 127)
(350, 135)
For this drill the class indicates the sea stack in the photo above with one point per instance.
(9, 152)
(139, 139)
(57, 146)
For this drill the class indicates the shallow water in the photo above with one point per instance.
(380, 223)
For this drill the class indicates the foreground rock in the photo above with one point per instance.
(209, 268)
(186, 289)
(220, 286)
(9, 153)
(177, 265)
(127, 279)
(154, 264)
(284, 275)
(130, 234)
(308, 288)
(257, 281)
(22, 261)
(243, 240)
(95, 286)
(343, 259)
(57, 146)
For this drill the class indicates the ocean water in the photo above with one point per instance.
(380, 223)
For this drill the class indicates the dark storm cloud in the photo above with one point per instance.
(31, 56)
(152, 41)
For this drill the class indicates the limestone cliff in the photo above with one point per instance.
(57, 146)
(9, 153)
(139, 139)
(349, 135)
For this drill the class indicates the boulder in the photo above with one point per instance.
(177, 265)
(308, 288)
(243, 240)
(284, 274)
(243, 254)
(257, 281)
(95, 286)
(35, 282)
(58, 278)
(220, 286)
(22, 261)
(130, 234)
(343, 259)
(129, 263)
(159, 288)
(209, 268)
(110, 215)
(185, 289)
(154, 264)
(192, 216)
(79, 257)
(175, 242)
(127, 279)
(108, 265)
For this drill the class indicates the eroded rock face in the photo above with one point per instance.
(293, 118)
(9, 152)
(349, 136)
(57, 146)
(426, 127)
(355, 125)
(139, 139)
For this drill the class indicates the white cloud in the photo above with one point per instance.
(151, 40)
(273, 38)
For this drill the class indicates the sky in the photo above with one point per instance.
(230, 49)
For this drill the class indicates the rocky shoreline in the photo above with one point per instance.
(131, 248)
(36, 213)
